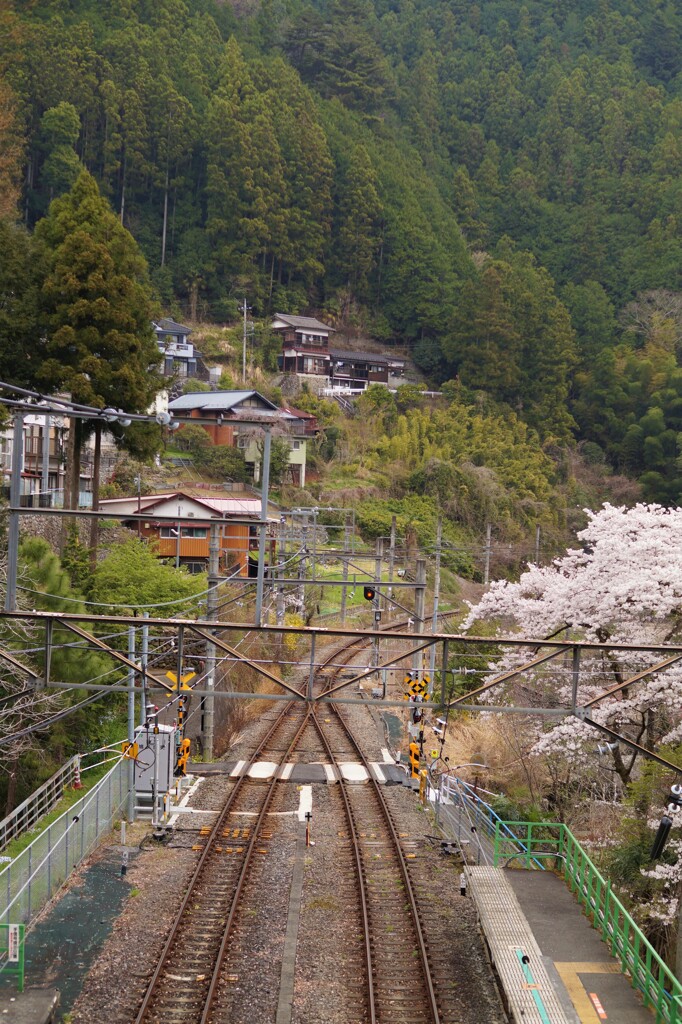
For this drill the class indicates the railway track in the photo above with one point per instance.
(190, 984)
(184, 984)
(398, 977)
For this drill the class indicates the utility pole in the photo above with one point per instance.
(144, 655)
(486, 570)
(314, 558)
(131, 723)
(280, 603)
(391, 558)
(244, 309)
(377, 600)
(344, 562)
(208, 716)
(436, 595)
(95, 494)
(45, 481)
(537, 545)
(303, 560)
(419, 602)
(178, 539)
(344, 587)
(262, 529)
(14, 500)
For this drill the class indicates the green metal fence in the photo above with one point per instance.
(556, 843)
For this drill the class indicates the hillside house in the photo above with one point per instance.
(187, 544)
(181, 360)
(44, 462)
(306, 351)
(233, 418)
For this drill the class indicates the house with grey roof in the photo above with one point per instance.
(236, 418)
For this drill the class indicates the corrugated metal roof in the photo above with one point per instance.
(303, 321)
(223, 506)
(358, 357)
(217, 401)
(235, 506)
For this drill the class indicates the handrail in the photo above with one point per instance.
(40, 802)
(476, 803)
(660, 989)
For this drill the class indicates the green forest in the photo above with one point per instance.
(497, 186)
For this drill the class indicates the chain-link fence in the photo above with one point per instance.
(28, 882)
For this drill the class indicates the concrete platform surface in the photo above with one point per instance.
(532, 995)
(34, 1006)
(583, 963)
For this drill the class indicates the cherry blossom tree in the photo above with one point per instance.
(623, 585)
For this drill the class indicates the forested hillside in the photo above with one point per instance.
(497, 185)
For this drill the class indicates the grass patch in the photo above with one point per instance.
(323, 903)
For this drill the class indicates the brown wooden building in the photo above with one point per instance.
(187, 544)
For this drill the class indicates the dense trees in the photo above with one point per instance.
(491, 185)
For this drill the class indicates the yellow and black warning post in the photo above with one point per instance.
(414, 760)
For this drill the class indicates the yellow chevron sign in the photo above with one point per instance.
(184, 680)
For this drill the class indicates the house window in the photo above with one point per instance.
(171, 532)
(242, 442)
(295, 445)
(194, 568)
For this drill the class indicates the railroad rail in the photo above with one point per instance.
(394, 946)
(187, 985)
(183, 986)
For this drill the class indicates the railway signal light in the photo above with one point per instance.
(369, 593)
(414, 759)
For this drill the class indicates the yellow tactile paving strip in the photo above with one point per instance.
(506, 930)
(580, 997)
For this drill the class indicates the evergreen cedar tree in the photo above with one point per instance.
(96, 304)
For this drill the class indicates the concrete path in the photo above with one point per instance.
(574, 953)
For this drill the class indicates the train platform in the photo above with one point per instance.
(35, 1006)
(552, 964)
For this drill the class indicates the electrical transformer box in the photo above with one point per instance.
(156, 753)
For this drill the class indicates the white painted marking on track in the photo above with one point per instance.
(353, 772)
(263, 769)
(376, 768)
(271, 814)
(287, 770)
(329, 772)
(305, 802)
(237, 770)
(387, 756)
(185, 800)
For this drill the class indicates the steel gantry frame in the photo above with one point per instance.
(208, 629)
(545, 650)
